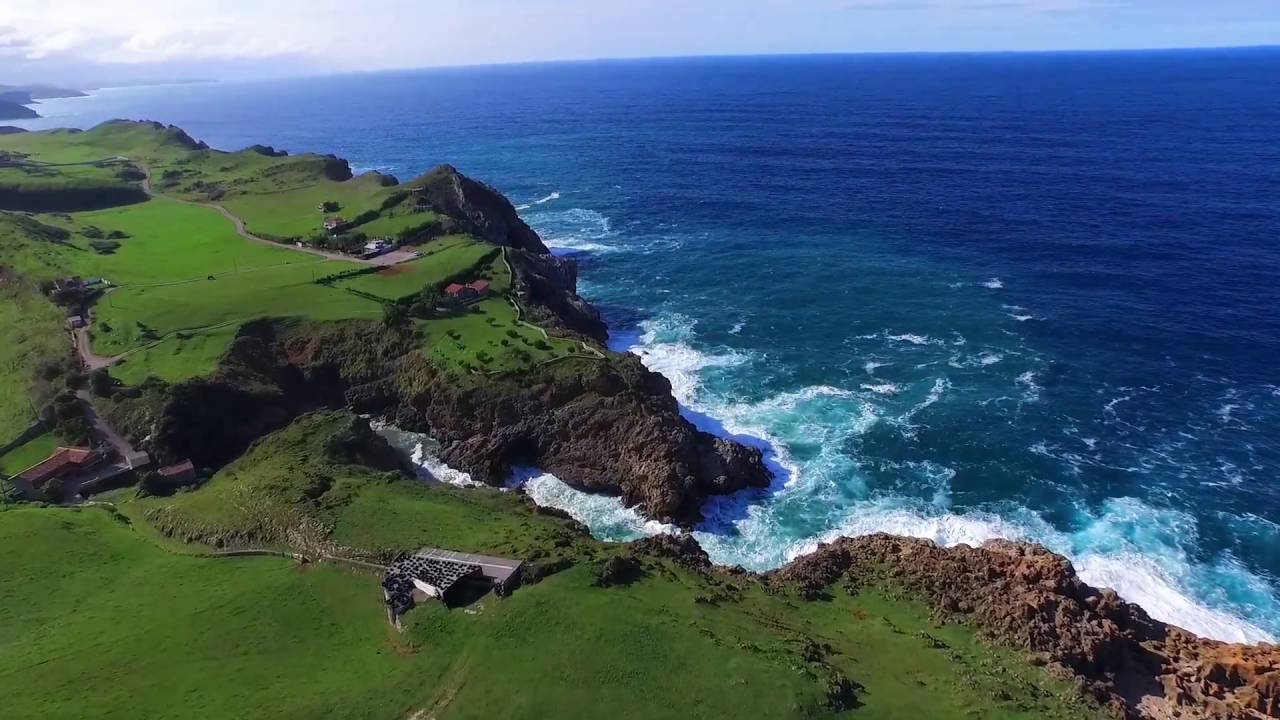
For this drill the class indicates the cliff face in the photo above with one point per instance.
(550, 295)
(1029, 597)
(608, 427)
(477, 208)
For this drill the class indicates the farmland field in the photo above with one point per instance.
(442, 258)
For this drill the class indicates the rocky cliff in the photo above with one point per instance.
(1029, 597)
(477, 208)
(601, 426)
(608, 425)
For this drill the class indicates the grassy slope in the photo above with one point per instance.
(28, 454)
(103, 619)
(175, 323)
(441, 259)
(32, 331)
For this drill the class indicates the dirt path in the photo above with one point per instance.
(239, 225)
(592, 352)
(84, 347)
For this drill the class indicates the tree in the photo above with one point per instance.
(100, 382)
(394, 316)
(54, 490)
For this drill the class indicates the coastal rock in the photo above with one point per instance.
(1029, 597)
(14, 111)
(608, 426)
(683, 549)
(479, 209)
(603, 427)
(549, 289)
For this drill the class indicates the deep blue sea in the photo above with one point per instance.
(955, 296)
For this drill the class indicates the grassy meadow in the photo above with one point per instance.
(33, 333)
(441, 259)
(185, 280)
(111, 615)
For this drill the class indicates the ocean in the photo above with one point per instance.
(953, 296)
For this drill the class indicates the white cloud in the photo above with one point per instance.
(373, 34)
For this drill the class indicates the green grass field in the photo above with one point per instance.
(106, 617)
(28, 454)
(490, 327)
(283, 291)
(186, 280)
(441, 259)
(33, 332)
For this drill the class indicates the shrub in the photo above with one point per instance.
(394, 199)
(54, 490)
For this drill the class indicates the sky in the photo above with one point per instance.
(105, 41)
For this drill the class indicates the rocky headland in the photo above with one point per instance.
(606, 425)
(1026, 596)
(612, 426)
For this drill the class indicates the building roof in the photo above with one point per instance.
(479, 285)
(62, 461)
(186, 466)
(442, 569)
(455, 288)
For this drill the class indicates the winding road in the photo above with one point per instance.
(391, 258)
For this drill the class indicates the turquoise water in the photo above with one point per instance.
(958, 297)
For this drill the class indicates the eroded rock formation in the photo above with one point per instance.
(1029, 597)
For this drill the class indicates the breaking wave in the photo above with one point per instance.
(540, 201)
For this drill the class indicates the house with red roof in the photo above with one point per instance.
(471, 290)
(63, 463)
(183, 473)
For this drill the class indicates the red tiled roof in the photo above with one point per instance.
(186, 466)
(455, 288)
(479, 285)
(62, 461)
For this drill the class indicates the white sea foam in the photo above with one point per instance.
(914, 339)
(575, 230)
(1017, 312)
(737, 327)
(438, 469)
(539, 201)
(1133, 548)
(608, 517)
(981, 360)
(421, 449)
(871, 366)
(994, 283)
(1031, 390)
(882, 388)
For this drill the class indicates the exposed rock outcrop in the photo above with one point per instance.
(549, 287)
(1027, 596)
(14, 111)
(478, 209)
(601, 426)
